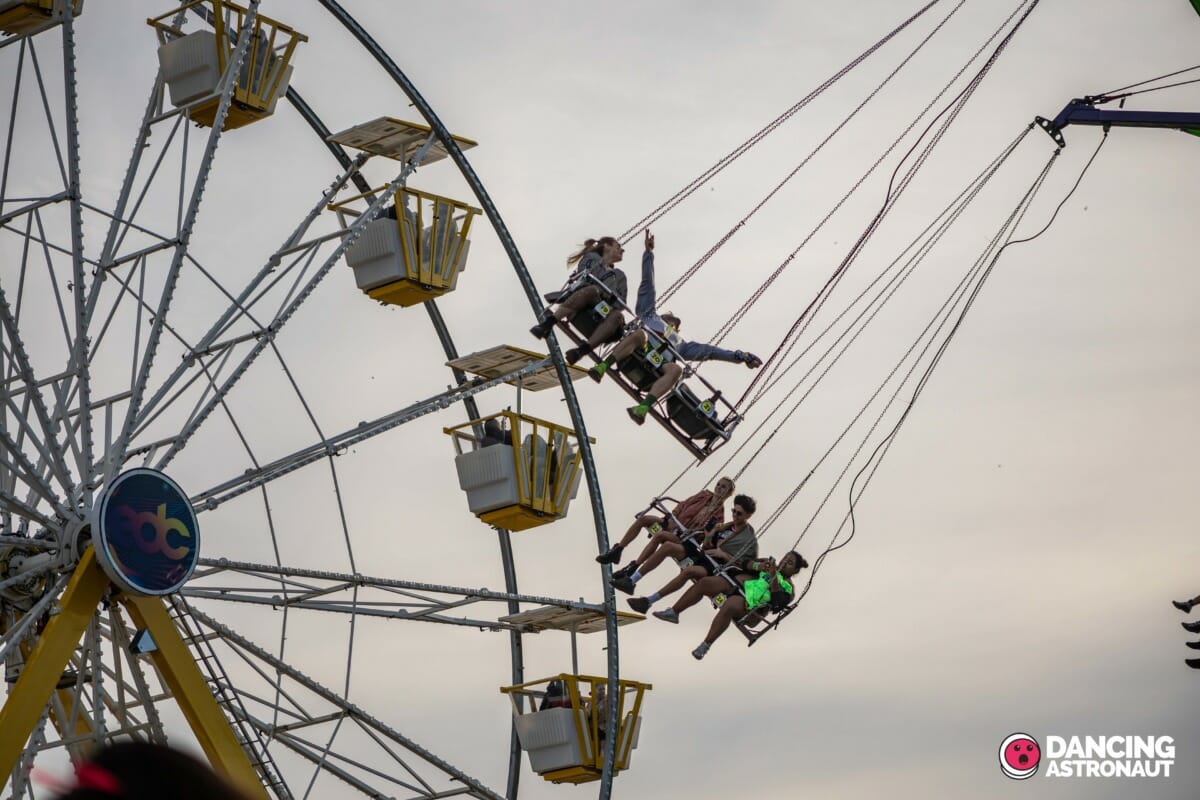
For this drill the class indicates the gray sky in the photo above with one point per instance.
(1015, 554)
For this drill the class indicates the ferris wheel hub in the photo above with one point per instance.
(145, 533)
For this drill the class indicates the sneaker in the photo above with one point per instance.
(701, 651)
(576, 353)
(639, 604)
(543, 328)
(668, 615)
(1191, 627)
(1194, 663)
(1193, 645)
(611, 557)
(622, 584)
(596, 373)
(627, 570)
(1183, 605)
(637, 414)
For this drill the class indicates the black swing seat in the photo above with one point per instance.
(701, 426)
(699, 419)
(588, 319)
(643, 368)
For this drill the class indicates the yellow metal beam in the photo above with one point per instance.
(62, 711)
(178, 669)
(42, 671)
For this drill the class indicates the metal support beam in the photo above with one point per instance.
(1084, 112)
(179, 671)
(252, 479)
(341, 703)
(28, 699)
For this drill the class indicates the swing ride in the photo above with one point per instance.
(201, 498)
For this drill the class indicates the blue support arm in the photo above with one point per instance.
(1084, 112)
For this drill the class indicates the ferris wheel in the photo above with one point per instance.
(191, 544)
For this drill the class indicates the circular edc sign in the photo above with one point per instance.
(146, 535)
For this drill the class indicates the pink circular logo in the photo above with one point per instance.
(1020, 755)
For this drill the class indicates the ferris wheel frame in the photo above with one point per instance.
(80, 440)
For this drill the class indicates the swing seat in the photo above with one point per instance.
(29, 16)
(643, 368)
(588, 319)
(695, 417)
(638, 371)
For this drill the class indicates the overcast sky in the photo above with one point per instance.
(1015, 555)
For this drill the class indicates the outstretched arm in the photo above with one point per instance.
(647, 295)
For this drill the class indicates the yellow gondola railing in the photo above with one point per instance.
(524, 479)
(29, 16)
(564, 732)
(192, 64)
(415, 252)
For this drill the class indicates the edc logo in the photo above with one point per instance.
(147, 537)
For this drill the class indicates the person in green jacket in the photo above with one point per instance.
(772, 590)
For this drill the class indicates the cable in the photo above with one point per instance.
(1150, 80)
(868, 314)
(876, 458)
(692, 270)
(1151, 89)
(920, 246)
(893, 192)
(763, 132)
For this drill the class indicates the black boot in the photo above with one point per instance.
(1191, 627)
(627, 570)
(543, 328)
(1194, 663)
(576, 353)
(612, 556)
(1193, 645)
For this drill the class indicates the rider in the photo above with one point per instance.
(735, 546)
(702, 511)
(597, 258)
(665, 326)
(771, 590)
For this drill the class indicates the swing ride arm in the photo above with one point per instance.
(1083, 111)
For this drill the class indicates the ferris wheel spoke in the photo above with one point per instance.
(118, 224)
(342, 705)
(131, 681)
(185, 227)
(319, 590)
(41, 84)
(333, 445)
(240, 305)
(325, 758)
(350, 235)
(24, 510)
(79, 349)
(121, 226)
(13, 349)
